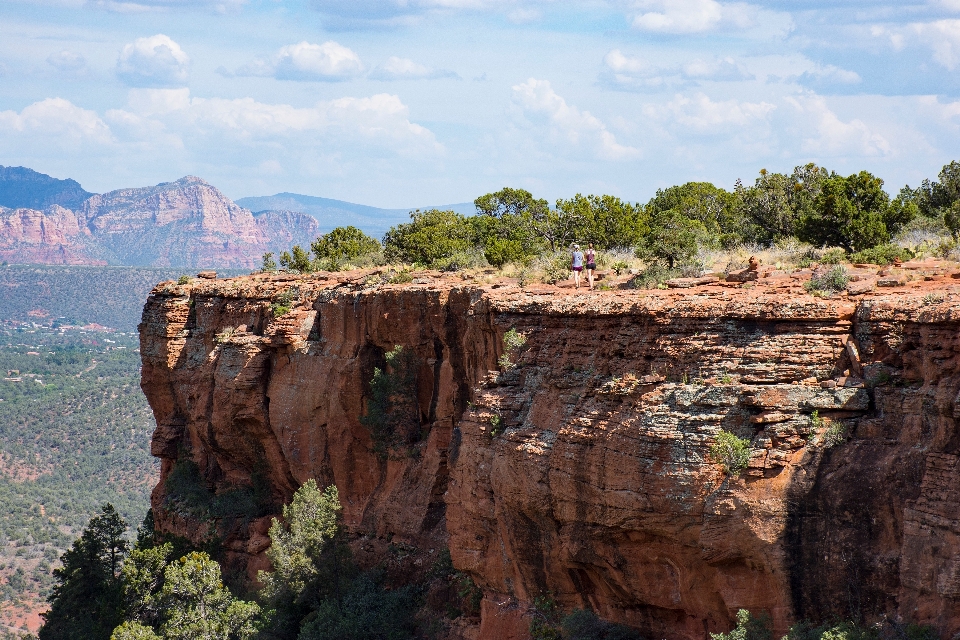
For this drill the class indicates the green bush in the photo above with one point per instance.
(586, 625)
(834, 280)
(881, 254)
(393, 415)
(367, 611)
(731, 451)
(653, 276)
(748, 628)
(183, 280)
(513, 341)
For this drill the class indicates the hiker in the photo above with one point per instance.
(577, 264)
(591, 264)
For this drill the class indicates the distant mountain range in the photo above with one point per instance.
(22, 188)
(188, 223)
(336, 213)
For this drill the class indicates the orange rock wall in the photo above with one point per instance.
(600, 489)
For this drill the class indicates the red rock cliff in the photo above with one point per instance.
(584, 470)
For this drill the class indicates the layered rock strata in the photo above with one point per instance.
(184, 223)
(579, 465)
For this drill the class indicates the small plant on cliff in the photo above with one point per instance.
(748, 628)
(513, 341)
(183, 280)
(281, 305)
(496, 425)
(545, 618)
(834, 280)
(835, 434)
(731, 451)
(393, 415)
(224, 335)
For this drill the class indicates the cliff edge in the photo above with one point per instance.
(578, 464)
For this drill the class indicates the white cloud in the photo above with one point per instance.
(635, 73)
(678, 16)
(405, 69)
(67, 61)
(831, 74)
(823, 133)
(576, 128)
(379, 121)
(702, 16)
(329, 61)
(701, 114)
(55, 122)
(156, 61)
(141, 6)
(941, 36)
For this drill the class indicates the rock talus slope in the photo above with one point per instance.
(583, 470)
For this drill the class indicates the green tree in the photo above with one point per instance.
(196, 605)
(711, 206)
(673, 239)
(268, 264)
(343, 244)
(430, 237)
(86, 601)
(767, 207)
(504, 226)
(852, 213)
(309, 555)
(606, 221)
(939, 199)
(296, 260)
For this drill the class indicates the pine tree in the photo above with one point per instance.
(86, 601)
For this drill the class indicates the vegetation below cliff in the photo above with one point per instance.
(75, 429)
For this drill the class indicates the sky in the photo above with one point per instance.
(398, 103)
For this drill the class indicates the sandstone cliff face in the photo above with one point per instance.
(185, 223)
(584, 470)
(53, 236)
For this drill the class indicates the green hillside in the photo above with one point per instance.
(75, 432)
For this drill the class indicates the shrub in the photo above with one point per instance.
(586, 625)
(367, 611)
(183, 280)
(283, 302)
(882, 254)
(833, 280)
(748, 628)
(835, 434)
(546, 619)
(513, 341)
(731, 451)
(835, 255)
(653, 276)
(393, 415)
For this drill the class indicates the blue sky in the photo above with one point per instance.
(399, 103)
